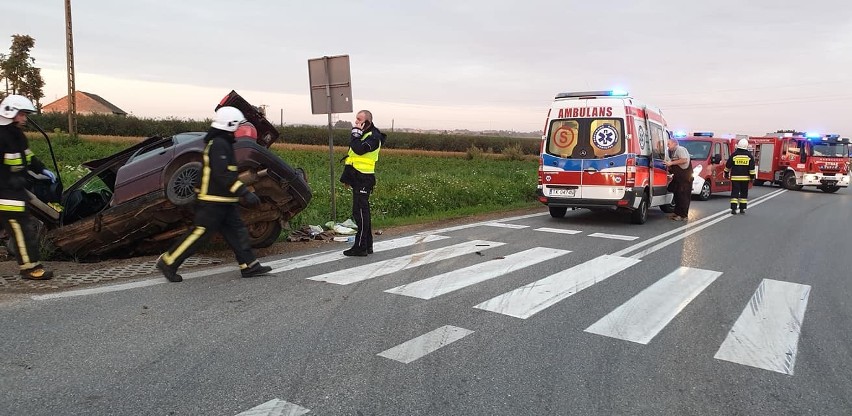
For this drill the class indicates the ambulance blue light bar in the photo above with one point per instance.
(679, 134)
(703, 134)
(610, 93)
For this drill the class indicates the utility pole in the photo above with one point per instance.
(69, 49)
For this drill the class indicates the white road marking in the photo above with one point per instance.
(275, 407)
(766, 335)
(380, 268)
(501, 225)
(641, 318)
(695, 225)
(132, 285)
(614, 236)
(429, 342)
(281, 265)
(461, 278)
(558, 230)
(477, 224)
(535, 297)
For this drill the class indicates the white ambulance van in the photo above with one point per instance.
(604, 149)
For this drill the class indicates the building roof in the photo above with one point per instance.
(87, 103)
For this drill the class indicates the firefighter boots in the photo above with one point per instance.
(37, 273)
(255, 269)
(356, 252)
(168, 271)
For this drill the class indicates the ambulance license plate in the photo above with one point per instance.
(563, 192)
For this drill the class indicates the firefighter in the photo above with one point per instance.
(17, 160)
(740, 169)
(359, 173)
(217, 202)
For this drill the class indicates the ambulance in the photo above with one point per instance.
(603, 149)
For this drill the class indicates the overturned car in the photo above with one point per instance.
(138, 200)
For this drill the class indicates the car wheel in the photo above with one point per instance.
(558, 212)
(830, 189)
(640, 215)
(180, 187)
(705, 191)
(264, 234)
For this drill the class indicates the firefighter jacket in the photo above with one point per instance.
(364, 149)
(17, 159)
(219, 177)
(740, 166)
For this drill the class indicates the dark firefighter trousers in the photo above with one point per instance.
(211, 218)
(739, 194)
(681, 186)
(361, 213)
(19, 227)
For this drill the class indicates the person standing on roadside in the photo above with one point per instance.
(359, 173)
(17, 160)
(217, 206)
(741, 171)
(681, 184)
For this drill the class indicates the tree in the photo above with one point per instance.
(342, 124)
(18, 71)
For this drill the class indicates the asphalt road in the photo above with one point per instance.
(583, 315)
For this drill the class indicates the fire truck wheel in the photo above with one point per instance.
(640, 215)
(705, 191)
(758, 183)
(789, 182)
(830, 189)
(558, 212)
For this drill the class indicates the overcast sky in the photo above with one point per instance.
(729, 66)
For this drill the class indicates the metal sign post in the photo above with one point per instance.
(331, 93)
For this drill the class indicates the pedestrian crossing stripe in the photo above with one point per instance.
(368, 271)
(478, 273)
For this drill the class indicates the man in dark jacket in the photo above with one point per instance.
(364, 144)
(217, 207)
(681, 185)
(740, 169)
(18, 159)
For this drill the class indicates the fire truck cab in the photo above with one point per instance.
(603, 149)
(795, 160)
(708, 155)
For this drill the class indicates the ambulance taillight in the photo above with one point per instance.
(630, 179)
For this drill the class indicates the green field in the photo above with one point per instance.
(411, 188)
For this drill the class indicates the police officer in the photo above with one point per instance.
(740, 169)
(359, 173)
(17, 160)
(217, 206)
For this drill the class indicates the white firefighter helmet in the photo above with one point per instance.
(228, 119)
(11, 105)
(742, 144)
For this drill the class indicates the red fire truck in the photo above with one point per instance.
(796, 160)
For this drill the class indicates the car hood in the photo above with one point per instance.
(266, 132)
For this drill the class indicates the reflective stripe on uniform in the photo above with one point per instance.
(740, 178)
(217, 198)
(197, 232)
(236, 186)
(21, 242)
(12, 205)
(12, 159)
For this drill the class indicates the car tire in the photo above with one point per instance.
(640, 215)
(830, 189)
(180, 187)
(558, 212)
(264, 234)
(705, 191)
